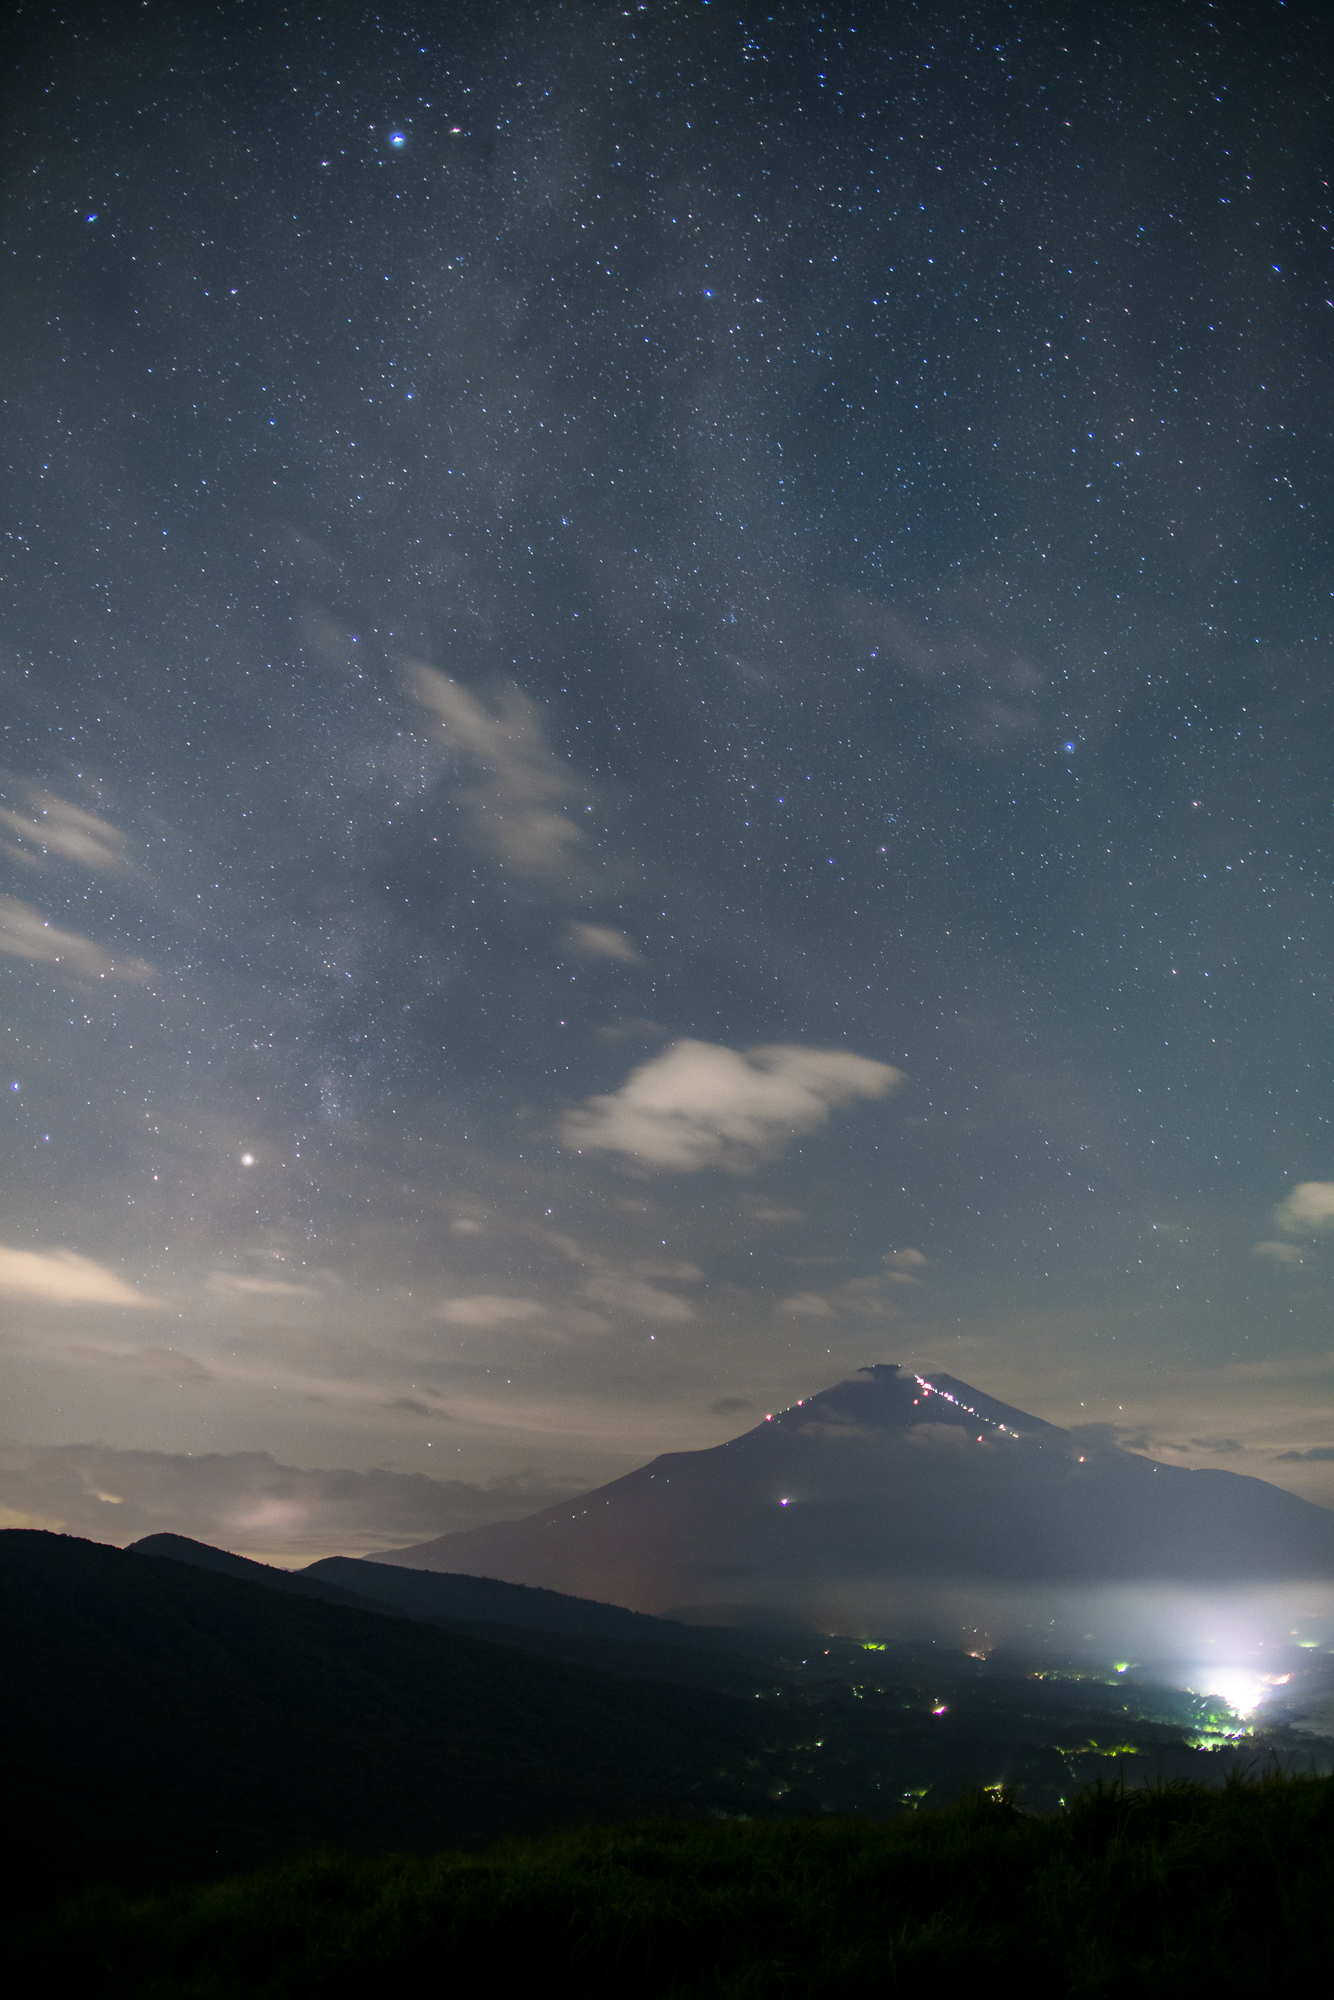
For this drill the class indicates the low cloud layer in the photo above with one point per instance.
(700, 1105)
(245, 1500)
(62, 1277)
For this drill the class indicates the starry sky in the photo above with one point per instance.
(668, 728)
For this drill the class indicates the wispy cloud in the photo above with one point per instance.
(226, 1285)
(637, 1290)
(63, 1277)
(489, 1309)
(160, 1363)
(26, 933)
(1277, 1253)
(999, 685)
(1310, 1206)
(701, 1105)
(518, 787)
(600, 941)
(44, 825)
(860, 1298)
(865, 1298)
(624, 1292)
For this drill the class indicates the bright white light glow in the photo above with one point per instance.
(1240, 1687)
(247, 1159)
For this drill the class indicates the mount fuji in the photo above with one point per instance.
(892, 1482)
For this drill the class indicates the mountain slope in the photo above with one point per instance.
(891, 1476)
(574, 1629)
(293, 1583)
(166, 1722)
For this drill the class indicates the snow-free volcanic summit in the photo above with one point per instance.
(894, 1478)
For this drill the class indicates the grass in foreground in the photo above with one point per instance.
(1175, 1891)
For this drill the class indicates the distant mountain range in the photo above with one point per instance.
(892, 1477)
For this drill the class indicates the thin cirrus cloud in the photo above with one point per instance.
(601, 941)
(26, 933)
(806, 1305)
(1310, 1206)
(48, 826)
(1001, 704)
(625, 1293)
(862, 1298)
(226, 1285)
(162, 1363)
(1277, 1253)
(518, 788)
(701, 1105)
(636, 1292)
(64, 1278)
(489, 1309)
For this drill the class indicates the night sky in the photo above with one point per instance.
(668, 728)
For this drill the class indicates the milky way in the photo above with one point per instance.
(667, 729)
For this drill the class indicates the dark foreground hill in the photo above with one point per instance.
(1179, 1893)
(168, 1723)
(890, 1478)
(575, 1629)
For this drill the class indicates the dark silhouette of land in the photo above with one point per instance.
(176, 1720)
(1162, 1894)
